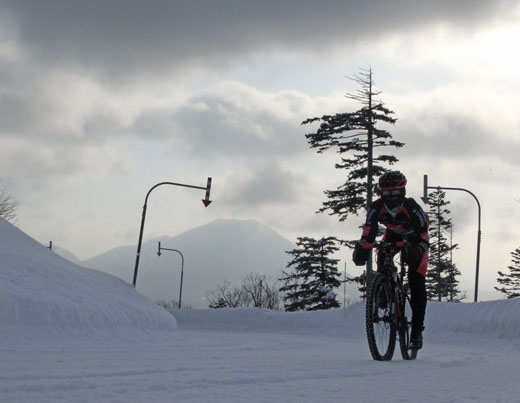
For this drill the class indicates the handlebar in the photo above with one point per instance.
(399, 244)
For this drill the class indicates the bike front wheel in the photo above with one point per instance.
(404, 326)
(379, 318)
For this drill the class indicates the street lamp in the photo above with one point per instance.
(206, 201)
(479, 234)
(182, 268)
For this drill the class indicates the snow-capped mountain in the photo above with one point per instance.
(223, 250)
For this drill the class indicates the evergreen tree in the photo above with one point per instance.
(441, 278)
(312, 275)
(511, 282)
(355, 134)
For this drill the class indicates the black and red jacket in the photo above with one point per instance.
(411, 217)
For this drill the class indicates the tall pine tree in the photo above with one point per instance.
(441, 278)
(511, 282)
(312, 276)
(356, 136)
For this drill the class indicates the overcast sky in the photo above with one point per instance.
(100, 100)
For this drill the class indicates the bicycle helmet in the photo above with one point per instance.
(392, 187)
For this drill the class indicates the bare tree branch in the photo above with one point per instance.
(8, 205)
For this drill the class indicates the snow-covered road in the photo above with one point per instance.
(220, 366)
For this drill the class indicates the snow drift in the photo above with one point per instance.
(499, 319)
(43, 295)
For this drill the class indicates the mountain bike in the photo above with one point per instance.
(388, 309)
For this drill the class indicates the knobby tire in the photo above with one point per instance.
(379, 319)
(404, 328)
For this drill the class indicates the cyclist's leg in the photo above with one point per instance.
(380, 260)
(418, 296)
(418, 300)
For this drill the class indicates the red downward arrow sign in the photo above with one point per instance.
(207, 201)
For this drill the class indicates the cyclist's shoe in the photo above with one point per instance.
(416, 339)
(416, 343)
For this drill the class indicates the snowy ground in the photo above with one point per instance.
(70, 334)
(244, 364)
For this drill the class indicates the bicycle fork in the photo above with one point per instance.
(399, 300)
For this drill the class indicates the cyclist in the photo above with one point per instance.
(400, 214)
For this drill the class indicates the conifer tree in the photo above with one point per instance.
(354, 136)
(511, 282)
(441, 278)
(312, 275)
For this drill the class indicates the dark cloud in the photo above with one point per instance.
(119, 39)
(228, 122)
(23, 101)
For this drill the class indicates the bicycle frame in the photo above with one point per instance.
(389, 267)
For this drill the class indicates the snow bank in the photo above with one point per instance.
(43, 295)
(332, 322)
(491, 318)
(46, 298)
(495, 318)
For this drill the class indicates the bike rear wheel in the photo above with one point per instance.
(379, 319)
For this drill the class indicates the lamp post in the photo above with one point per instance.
(182, 268)
(479, 234)
(206, 201)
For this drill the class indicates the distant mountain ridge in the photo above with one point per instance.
(223, 250)
(66, 255)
